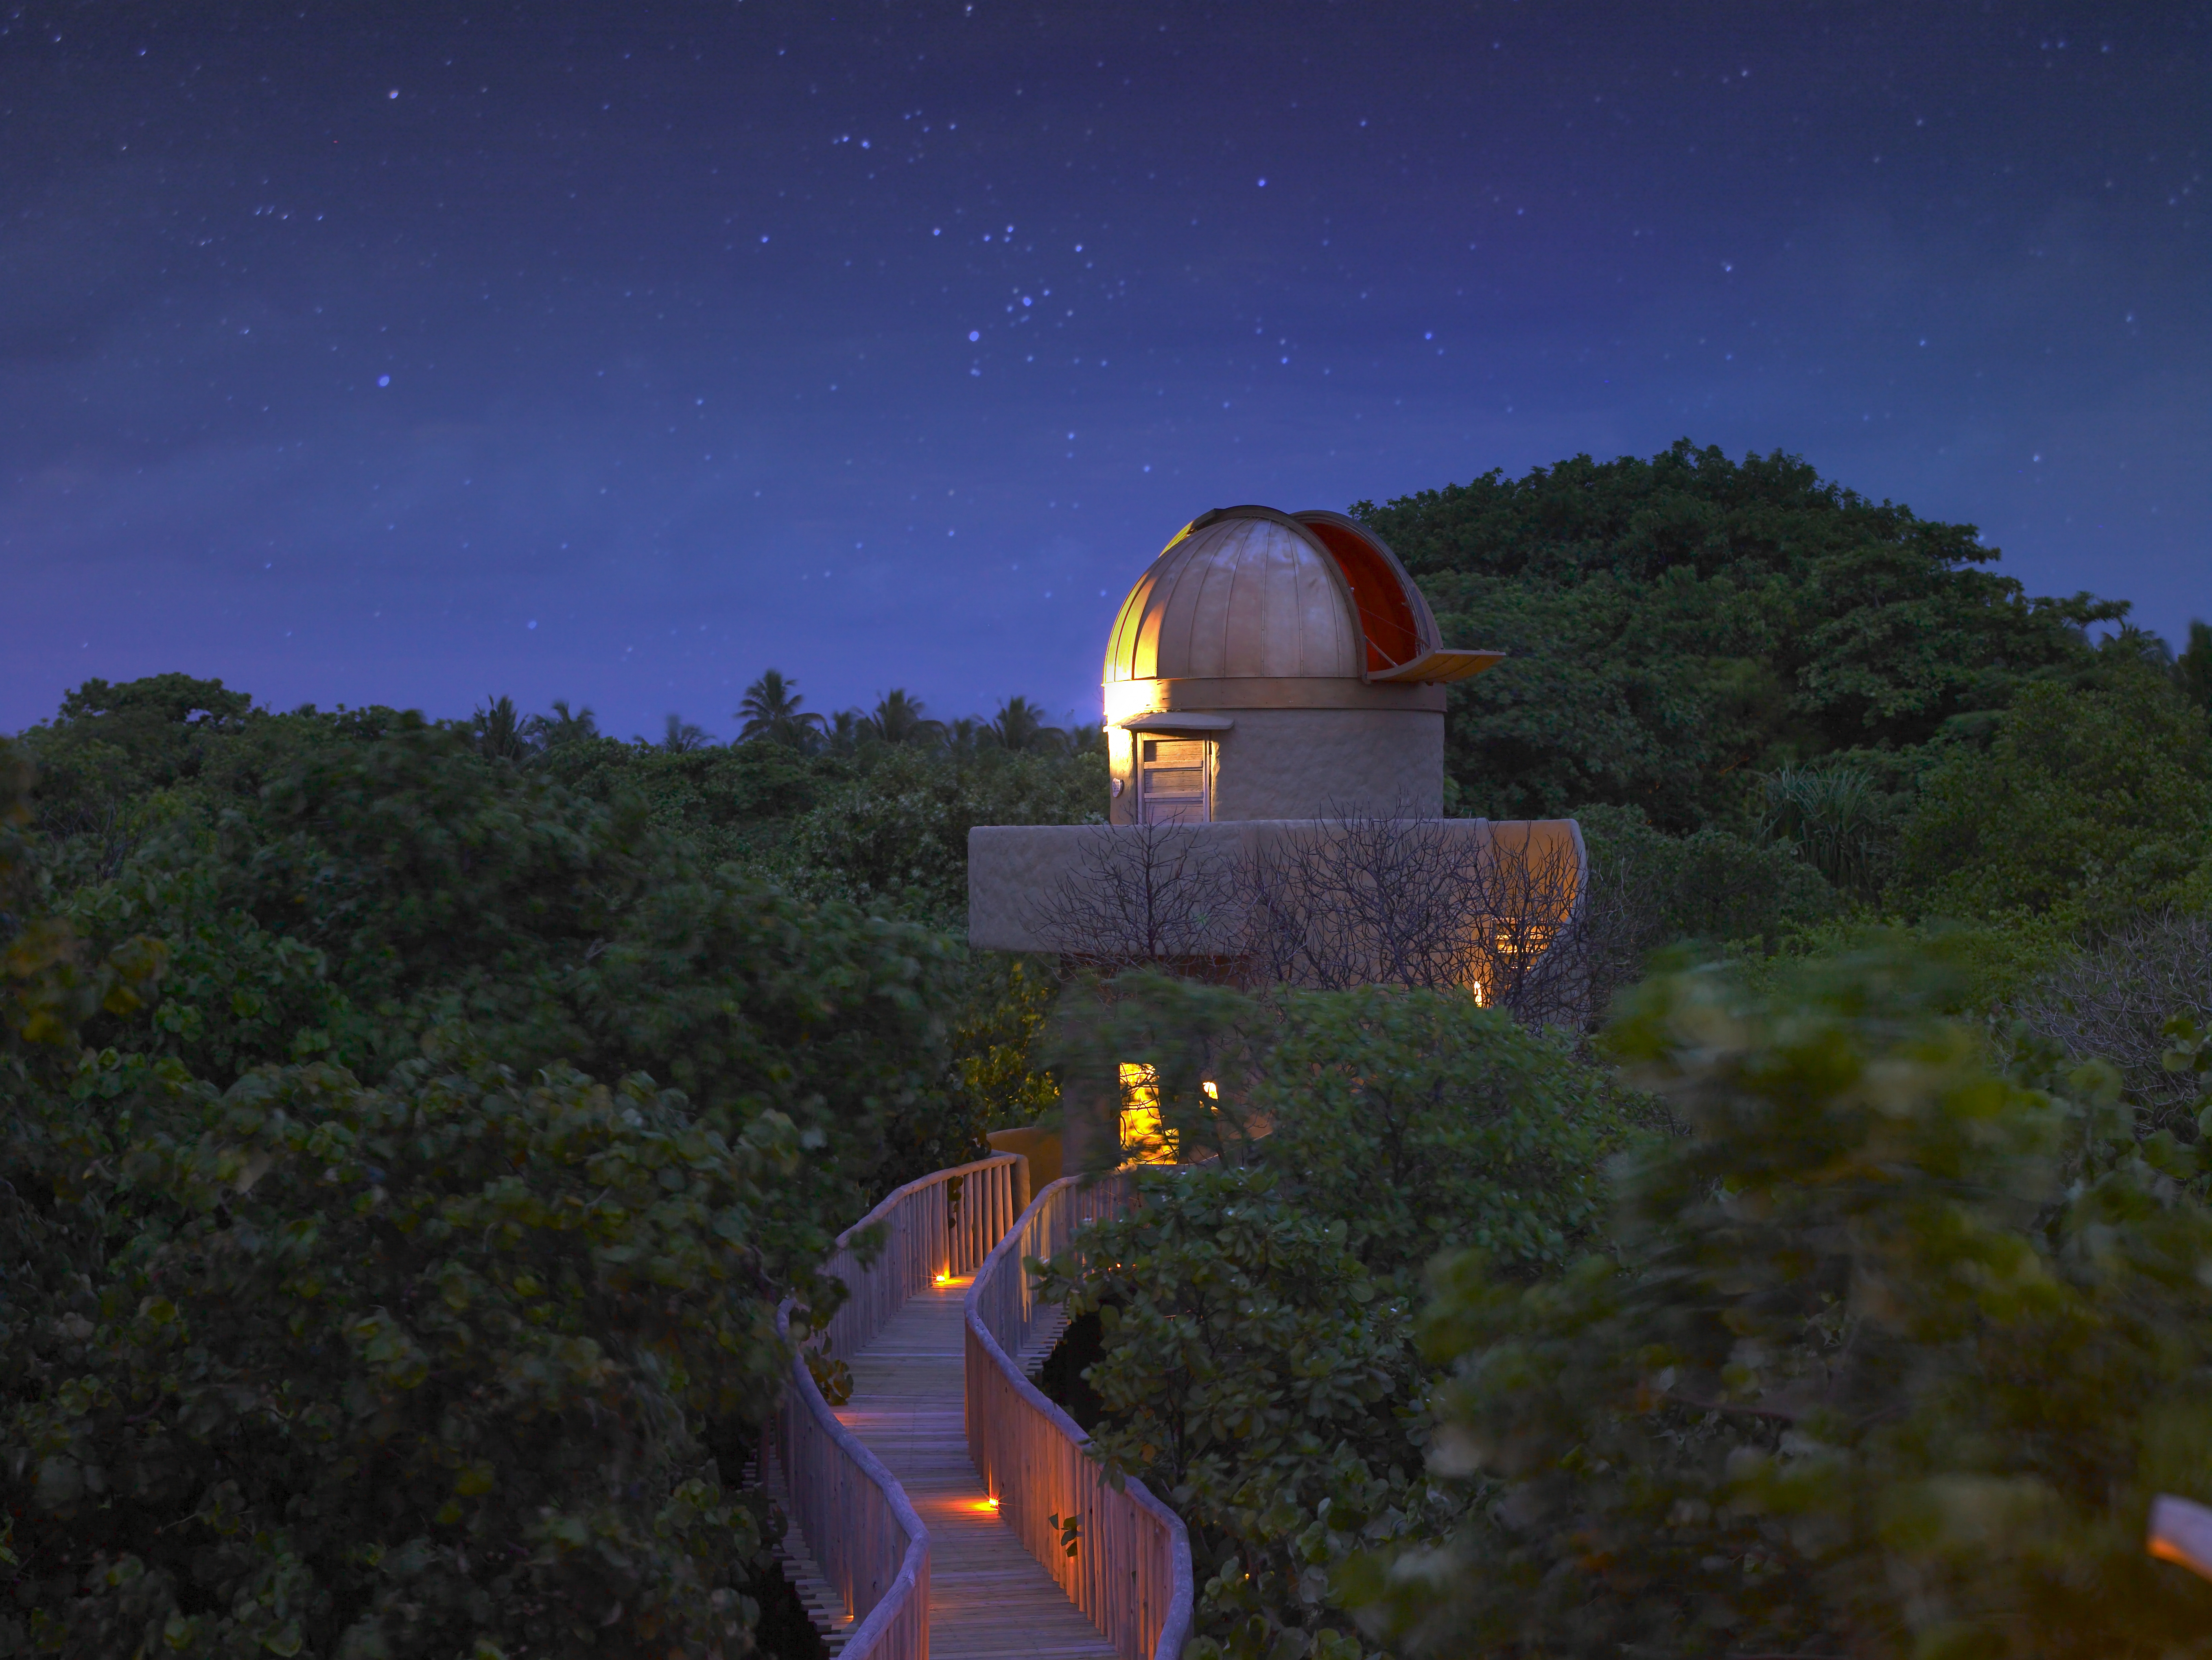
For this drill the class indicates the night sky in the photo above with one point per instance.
(618, 352)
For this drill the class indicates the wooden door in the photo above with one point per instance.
(1174, 785)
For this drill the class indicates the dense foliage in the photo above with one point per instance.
(346, 1311)
(1256, 1363)
(2098, 799)
(1680, 624)
(1887, 1356)
(410, 1127)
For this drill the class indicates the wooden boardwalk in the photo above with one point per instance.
(988, 1598)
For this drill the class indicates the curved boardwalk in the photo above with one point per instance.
(989, 1597)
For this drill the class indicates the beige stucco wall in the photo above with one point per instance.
(1308, 764)
(1015, 872)
(1295, 748)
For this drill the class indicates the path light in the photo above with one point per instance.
(944, 1279)
(2181, 1533)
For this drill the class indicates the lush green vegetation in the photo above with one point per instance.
(1683, 624)
(409, 1132)
(1257, 1363)
(411, 1127)
(1887, 1354)
(1841, 1300)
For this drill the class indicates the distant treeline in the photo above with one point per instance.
(775, 712)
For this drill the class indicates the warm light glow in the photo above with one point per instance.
(1143, 1139)
(944, 1279)
(989, 1507)
(1144, 1134)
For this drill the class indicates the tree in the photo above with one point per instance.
(771, 713)
(898, 719)
(1020, 724)
(846, 731)
(415, 1371)
(162, 700)
(1253, 1363)
(1252, 1376)
(1885, 1357)
(1835, 819)
(562, 728)
(111, 747)
(683, 738)
(306, 1367)
(500, 733)
(2099, 798)
(1680, 624)
(2192, 668)
(895, 835)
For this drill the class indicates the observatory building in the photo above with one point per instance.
(1274, 684)
(1274, 709)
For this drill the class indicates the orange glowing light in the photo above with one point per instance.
(944, 1279)
(1145, 1136)
(989, 1507)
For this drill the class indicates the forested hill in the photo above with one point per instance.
(1682, 624)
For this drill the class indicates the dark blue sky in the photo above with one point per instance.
(618, 352)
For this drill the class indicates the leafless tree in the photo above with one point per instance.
(1153, 894)
(2112, 999)
(1359, 899)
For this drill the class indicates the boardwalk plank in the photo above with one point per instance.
(988, 1598)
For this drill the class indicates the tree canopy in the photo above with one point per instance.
(1682, 623)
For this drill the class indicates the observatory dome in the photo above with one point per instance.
(1270, 665)
(1245, 591)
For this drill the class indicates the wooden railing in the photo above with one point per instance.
(859, 1525)
(1131, 1571)
(871, 1545)
(944, 1225)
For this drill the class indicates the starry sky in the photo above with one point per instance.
(419, 353)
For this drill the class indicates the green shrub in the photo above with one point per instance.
(1253, 1376)
(897, 834)
(2098, 799)
(1711, 884)
(1886, 1358)
(319, 1369)
(1256, 1363)
(1420, 1121)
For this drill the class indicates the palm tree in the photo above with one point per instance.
(500, 731)
(1019, 725)
(1835, 817)
(898, 720)
(961, 736)
(846, 729)
(684, 737)
(770, 711)
(563, 727)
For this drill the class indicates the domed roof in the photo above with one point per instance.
(1249, 592)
